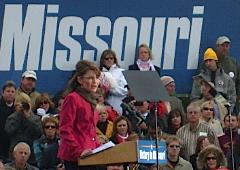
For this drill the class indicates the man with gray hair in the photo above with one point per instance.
(192, 130)
(21, 154)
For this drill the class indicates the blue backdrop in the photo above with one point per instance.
(51, 36)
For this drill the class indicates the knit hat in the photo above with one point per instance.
(210, 55)
(166, 80)
(222, 39)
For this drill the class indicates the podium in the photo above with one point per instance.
(122, 153)
(140, 151)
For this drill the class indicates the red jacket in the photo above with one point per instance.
(77, 127)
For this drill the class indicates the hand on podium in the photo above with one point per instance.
(86, 153)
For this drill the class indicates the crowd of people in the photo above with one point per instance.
(97, 106)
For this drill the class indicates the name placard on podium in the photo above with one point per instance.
(147, 153)
(140, 151)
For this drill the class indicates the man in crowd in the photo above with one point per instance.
(175, 102)
(228, 63)
(28, 84)
(174, 161)
(21, 154)
(193, 129)
(6, 108)
(215, 74)
(229, 142)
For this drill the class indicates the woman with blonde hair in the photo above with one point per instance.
(144, 60)
(208, 116)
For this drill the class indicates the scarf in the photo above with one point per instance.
(91, 97)
(145, 65)
(121, 138)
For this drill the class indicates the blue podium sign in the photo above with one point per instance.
(146, 150)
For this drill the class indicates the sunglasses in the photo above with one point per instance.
(174, 146)
(108, 58)
(207, 108)
(211, 158)
(43, 102)
(50, 126)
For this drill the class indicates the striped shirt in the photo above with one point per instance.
(189, 137)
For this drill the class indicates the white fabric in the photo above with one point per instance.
(117, 91)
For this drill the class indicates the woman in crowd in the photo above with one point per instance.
(117, 91)
(144, 60)
(49, 137)
(208, 116)
(78, 113)
(44, 105)
(202, 142)
(211, 158)
(122, 130)
(175, 121)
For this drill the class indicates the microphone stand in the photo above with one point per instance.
(231, 137)
(156, 128)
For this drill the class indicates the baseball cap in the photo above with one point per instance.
(30, 73)
(222, 39)
(210, 55)
(166, 80)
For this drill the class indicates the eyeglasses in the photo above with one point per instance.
(207, 108)
(174, 146)
(43, 102)
(90, 78)
(211, 158)
(108, 58)
(50, 126)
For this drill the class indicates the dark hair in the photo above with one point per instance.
(115, 122)
(172, 114)
(82, 67)
(106, 53)
(227, 115)
(43, 97)
(9, 84)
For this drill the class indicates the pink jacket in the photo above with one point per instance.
(77, 127)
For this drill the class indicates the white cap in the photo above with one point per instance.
(30, 73)
(166, 80)
(222, 39)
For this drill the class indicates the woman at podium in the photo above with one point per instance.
(77, 118)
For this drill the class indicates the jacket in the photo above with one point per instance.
(223, 84)
(135, 67)
(117, 93)
(78, 122)
(181, 165)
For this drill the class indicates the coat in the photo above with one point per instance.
(78, 122)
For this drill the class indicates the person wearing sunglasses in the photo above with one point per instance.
(208, 116)
(211, 158)
(174, 161)
(44, 105)
(49, 137)
(112, 73)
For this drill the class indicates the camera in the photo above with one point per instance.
(138, 103)
(25, 105)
